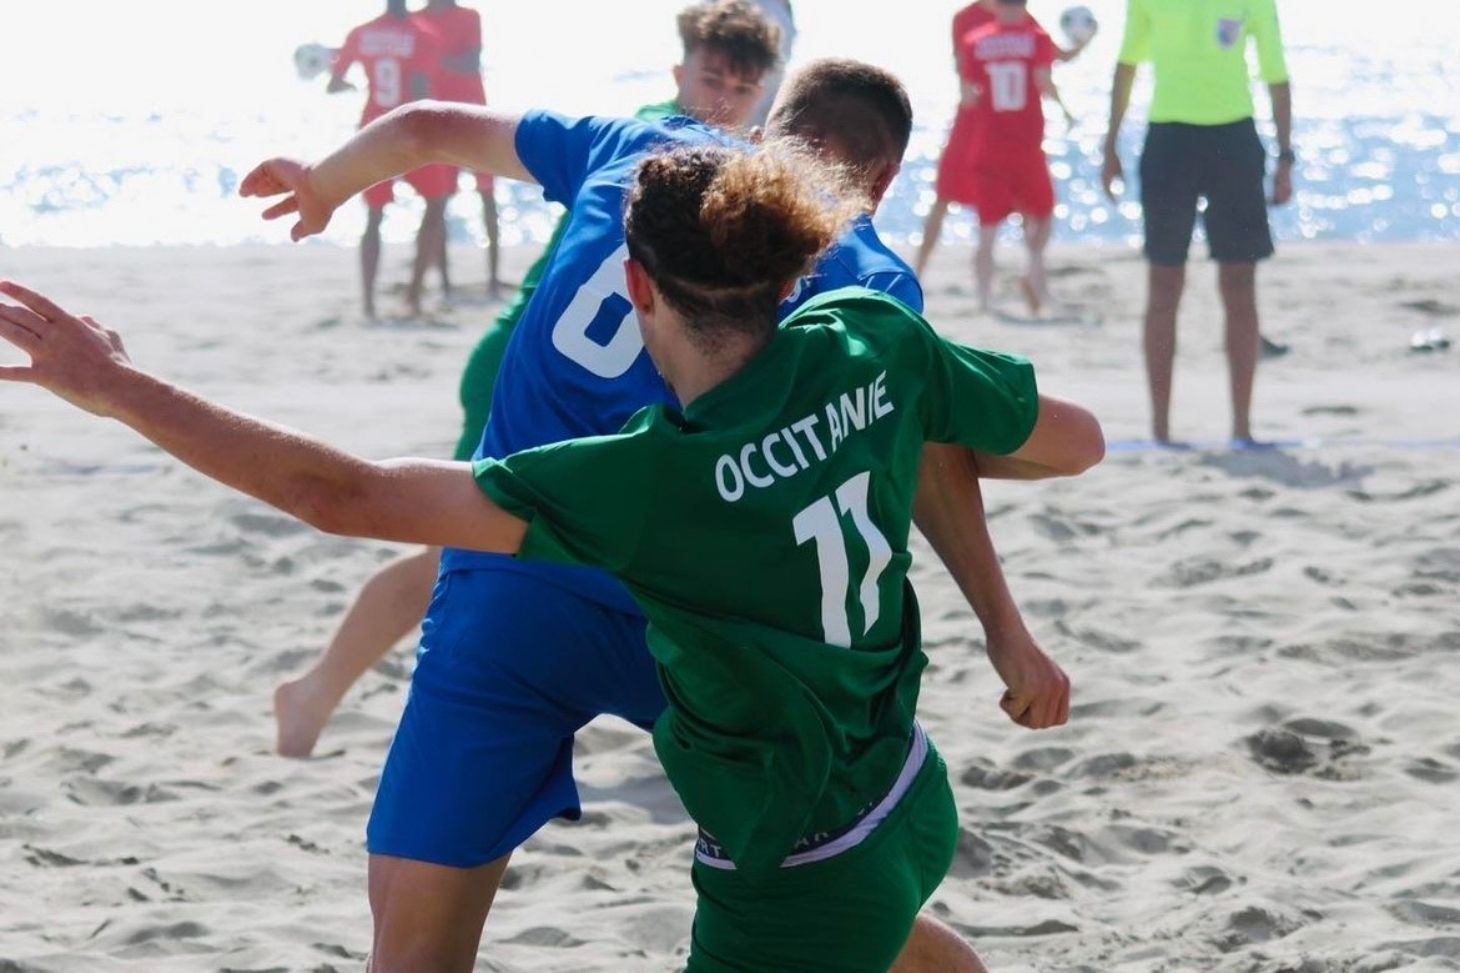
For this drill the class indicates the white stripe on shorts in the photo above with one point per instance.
(916, 756)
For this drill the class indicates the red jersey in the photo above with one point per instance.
(460, 30)
(1001, 60)
(394, 51)
(968, 20)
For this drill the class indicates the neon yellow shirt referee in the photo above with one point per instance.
(1202, 143)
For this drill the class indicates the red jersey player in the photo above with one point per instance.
(954, 183)
(1006, 69)
(401, 58)
(460, 29)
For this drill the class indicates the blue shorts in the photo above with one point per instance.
(509, 668)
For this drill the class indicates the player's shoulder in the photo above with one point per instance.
(423, 25)
(856, 312)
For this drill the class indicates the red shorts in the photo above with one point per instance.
(1007, 184)
(955, 168)
(432, 182)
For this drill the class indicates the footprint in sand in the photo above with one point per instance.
(72, 624)
(1195, 571)
(1306, 745)
(987, 776)
(268, 525)
(1432, 771)
(1204, 880)
(1256, 924)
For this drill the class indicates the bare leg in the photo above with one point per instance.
(934, 948)
(370, 258)
(1238, 284)
(489, 217)
(387, 609)
(430, 238)
(1162, 301)
(429, 918)
(983, 265)
(442, 263)
(1036, 280)
(932, 229)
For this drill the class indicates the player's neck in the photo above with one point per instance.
(692, 371)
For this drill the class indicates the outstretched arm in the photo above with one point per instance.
(420, 501)
(949, 511)
(413, 135)
(1044, 78)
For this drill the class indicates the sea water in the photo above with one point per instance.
(133, 123)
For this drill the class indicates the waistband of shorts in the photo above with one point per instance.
(828, 844)
(1218, 129)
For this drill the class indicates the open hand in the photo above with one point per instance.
(1282, 184)
(291, 179)
(1111, 171)
(1038, 693)
(74, 357)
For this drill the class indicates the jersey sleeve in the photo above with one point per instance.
(1271, 61)
(898, 284)
(968, 66)
(585, 500)
(426, 61)
(472, 31)
(980, 399)
(561, 152)
(347, 55)
(1045, 51)
(1135, 47)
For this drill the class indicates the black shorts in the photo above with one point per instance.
(1224, 163)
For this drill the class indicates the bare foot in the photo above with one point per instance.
(1032, 297)
(301, 710)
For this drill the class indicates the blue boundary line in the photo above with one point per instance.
(1277, 445)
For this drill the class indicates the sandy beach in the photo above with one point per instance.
(1262, 769)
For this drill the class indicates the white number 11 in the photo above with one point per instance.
(821, 523)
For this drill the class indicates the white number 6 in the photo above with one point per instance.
(599, 305)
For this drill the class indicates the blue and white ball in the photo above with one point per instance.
(1079, 25)
(312, 60)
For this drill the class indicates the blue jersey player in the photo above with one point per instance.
(515, 658)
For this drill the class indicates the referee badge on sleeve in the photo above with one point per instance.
(1229, 32)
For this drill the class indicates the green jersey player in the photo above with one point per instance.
(761, 525)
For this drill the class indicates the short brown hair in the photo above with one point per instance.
(724, 231)
(861, 112)
(737, 29)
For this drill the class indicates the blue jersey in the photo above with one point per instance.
(576, 364)
(859, 259)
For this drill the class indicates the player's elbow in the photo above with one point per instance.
(419, 126)
(1073, 442)
(340, 507)
(1086, 442)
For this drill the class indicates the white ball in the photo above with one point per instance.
(312, 60)
(1078, 24)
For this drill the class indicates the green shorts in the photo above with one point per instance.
(479, 384)
(847, 914)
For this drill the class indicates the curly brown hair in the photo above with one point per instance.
(736, 28)
(723, 232)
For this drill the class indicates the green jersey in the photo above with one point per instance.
(1199, 50)
(763, 530)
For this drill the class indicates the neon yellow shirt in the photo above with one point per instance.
(1199, 50)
